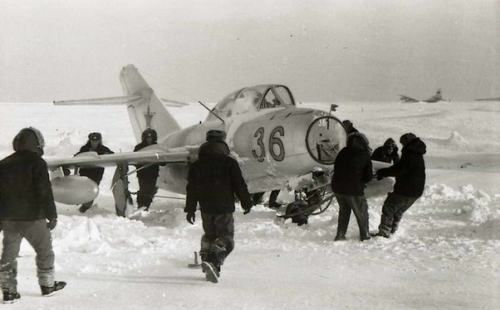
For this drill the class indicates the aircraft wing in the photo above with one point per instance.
(407, 99)
(145, 156)
(117, 101)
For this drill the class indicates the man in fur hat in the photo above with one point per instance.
(147, 175)
(409, 186)
(94, 144)
(213, 181)
(27, 210)
(352, 170)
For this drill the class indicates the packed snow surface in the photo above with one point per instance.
(445, 256)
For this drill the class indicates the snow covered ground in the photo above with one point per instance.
(445, 256)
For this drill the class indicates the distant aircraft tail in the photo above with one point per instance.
(144, 108)
(437, 97)
(148, 111)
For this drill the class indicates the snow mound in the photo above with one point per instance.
(456, 140)
(472, 206)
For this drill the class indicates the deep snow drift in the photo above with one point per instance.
(444, 257)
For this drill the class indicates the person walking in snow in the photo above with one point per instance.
(213, 181)
(352, 170)
(388, 153)
(147, 175)
(409, 186)
(27, 210)
(94, 144)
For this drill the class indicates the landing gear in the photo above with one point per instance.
(306, 204)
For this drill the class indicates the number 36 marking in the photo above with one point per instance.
(274, 142)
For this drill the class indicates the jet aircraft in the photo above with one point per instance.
(277, 144)
(437, 97)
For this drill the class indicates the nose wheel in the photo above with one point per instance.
(325, 138)
(316, 202)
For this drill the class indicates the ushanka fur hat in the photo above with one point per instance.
(29, 139)
(407, 138)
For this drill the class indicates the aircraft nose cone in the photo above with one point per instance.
(325, 138)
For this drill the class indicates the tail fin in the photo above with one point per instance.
(148, 111)
(145, 109)
(437, 97)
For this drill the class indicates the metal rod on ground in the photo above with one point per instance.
(170, 197)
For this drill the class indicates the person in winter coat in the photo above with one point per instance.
(94, 144)
(352, 170)
(388, 153)
(27, 210)
(349, 127)
(147, 175)
(213, 181)
(409, 186)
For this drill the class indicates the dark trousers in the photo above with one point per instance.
(218, 240)
(147, 191)
(39, 237)
(392, 212)
(359, 206)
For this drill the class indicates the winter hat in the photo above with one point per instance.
(149, 133)
(358, 140)
(407, 138)
(29, 139)
(390, 142)
(216, 135)
(95, 136)
(347, 123)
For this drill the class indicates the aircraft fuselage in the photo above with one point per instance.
(270, 146)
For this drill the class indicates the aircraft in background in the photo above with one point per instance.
(437, 97)
(488, 99)
(276, 144)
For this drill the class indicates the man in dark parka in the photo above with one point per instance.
(387, 153)
(352, 170)
(27, 211)
(147, 175)
(94, 144)
(213, 181)
(409, 186)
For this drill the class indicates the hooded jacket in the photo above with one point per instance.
(25, 189)
(352, 167)
(380, 153)
(214, 180)
(409, 171)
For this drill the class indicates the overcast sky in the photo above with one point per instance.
(329, 50)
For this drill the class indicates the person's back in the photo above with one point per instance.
(213, 181)
(22, 198)
(216, 179)
(409, 186)
(353, 167)
(410, 170)
(27, 211)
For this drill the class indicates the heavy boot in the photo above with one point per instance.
(49, 290)
(10, 297)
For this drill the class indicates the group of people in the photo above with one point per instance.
(215, 180)
(28, 211)
(353, 170)
(146, 174)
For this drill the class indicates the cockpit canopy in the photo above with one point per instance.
(252, 99)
